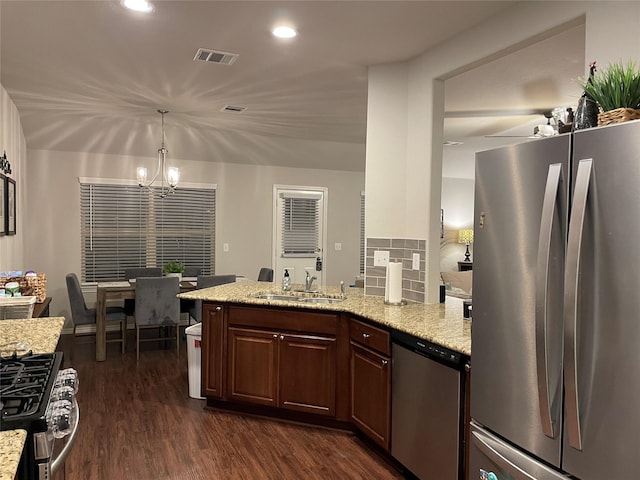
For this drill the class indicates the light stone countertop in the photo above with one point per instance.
(439, 323)
(40, 335)
(11, 444)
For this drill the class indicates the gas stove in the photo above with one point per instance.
(36, 396)
(25, 384)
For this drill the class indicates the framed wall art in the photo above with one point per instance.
(10, 207)
(3, 206)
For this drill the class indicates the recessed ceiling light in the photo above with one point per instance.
(284, 32)
(138, 5)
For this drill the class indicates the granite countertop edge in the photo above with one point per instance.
(440, 323)
(40, 335)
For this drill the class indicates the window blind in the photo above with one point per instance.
(124, 226)
(300, 224)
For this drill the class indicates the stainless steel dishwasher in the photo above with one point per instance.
(427, 420)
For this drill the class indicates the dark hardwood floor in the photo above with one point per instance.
(138, 422)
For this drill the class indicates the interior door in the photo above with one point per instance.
(299, 233)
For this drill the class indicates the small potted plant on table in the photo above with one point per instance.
(173, 269)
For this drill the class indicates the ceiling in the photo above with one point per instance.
(89, 76)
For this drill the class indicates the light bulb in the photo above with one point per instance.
(173, 176)
(141, 173)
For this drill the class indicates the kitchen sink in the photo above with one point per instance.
(320, 300)
(275, 296)
(294, 298)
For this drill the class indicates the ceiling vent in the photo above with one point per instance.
(233, 108)
(213, 56)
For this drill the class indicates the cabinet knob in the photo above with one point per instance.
(366, 335)
(218, 308)
(275, 335)
(467, 367)
(281, 337)
(384, 362)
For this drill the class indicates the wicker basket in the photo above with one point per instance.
(618, 115)
(16, 307)
(30, 285)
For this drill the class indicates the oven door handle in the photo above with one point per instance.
(57, 462)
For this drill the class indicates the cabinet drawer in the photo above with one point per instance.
(292, 320)
(373, 337)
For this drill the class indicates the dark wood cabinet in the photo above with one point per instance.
(371, 381)
(308, 373)
(253, 366)
(213, 334)
(282, 366)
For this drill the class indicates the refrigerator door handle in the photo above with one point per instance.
(549, 206)
(572, 270)
(499, 454)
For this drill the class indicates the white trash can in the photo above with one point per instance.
(194, 357)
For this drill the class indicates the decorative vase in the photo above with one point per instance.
(586, 114)
(179, 275)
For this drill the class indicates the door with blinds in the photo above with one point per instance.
(299, 233)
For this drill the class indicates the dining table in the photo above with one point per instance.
(120, 290)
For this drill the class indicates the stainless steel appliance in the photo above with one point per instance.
(556, 329)
(426, 411)
(36, 396)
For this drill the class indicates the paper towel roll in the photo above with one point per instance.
(393, 287)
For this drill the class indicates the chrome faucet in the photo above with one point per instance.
(308, 281)
(342, 294)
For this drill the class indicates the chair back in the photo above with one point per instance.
(156, 301)
(206, 281)
(191, 271)
(265, 275)
(130, 273)
(80, 314)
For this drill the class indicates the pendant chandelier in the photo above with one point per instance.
(169, 177)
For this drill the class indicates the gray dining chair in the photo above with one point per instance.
(191, 271)
(157, 305)
(265, 275)
(130, 273)
(206, 281)
(81, 315)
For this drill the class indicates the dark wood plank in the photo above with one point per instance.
(137, 421)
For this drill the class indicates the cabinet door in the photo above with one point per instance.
(308, 373)
(212, 350)
(370, 393)
(253, 374)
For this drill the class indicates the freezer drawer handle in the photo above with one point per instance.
(491, 450)
(572, 270)
(554, 179)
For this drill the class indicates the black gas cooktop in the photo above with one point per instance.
(25, 385)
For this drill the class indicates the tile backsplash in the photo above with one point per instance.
(400, 250)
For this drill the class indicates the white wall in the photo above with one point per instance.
(12, 141)
(612, 33)
(243, 217)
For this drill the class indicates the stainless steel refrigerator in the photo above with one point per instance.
(555, 388)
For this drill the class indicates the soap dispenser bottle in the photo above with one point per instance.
(286, 286)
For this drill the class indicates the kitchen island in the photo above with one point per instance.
(440, 323)
(315, 357)
(40, 335)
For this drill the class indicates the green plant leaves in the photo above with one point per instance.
(617, 86)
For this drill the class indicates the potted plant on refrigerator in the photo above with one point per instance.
(173, 269)
(616, 90)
